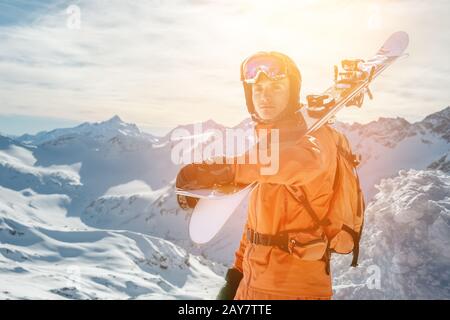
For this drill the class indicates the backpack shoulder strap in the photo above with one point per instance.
(300, 195)
(343, 147)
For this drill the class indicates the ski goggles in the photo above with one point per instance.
(272, 65)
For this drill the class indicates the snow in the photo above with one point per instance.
(18, 170)
(46, 255)
(129, 188)
(406, 238)
(443, 163)
(90, 213)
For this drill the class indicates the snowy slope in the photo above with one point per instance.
(46, 255)
(405, 249)
(18, 170)
(157, 213)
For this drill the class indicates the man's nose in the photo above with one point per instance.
(266, 95)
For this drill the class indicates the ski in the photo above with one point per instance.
(353, 82)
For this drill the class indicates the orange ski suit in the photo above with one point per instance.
(308, 161)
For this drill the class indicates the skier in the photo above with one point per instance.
(269, 264)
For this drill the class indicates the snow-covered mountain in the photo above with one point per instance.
(105, 191)
(98, 131)
(443, 163)
(389, 145)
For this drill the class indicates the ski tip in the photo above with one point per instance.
(401, 36)
(395, 45)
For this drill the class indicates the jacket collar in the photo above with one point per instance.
(289, 128)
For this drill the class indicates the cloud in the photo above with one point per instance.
(162, 63)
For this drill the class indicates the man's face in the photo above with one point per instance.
(270, 97)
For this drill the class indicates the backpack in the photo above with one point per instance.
(343, 222)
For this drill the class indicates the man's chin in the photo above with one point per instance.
(267, 116)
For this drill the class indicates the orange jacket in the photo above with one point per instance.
(307, 161)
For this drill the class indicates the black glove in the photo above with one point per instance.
(185, 177)
(186, 202)
(228, 291)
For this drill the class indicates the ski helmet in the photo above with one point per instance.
(287, 67)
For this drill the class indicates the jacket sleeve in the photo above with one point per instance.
(204, 175)
(296, 163)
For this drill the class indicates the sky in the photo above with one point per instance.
(160, 63)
